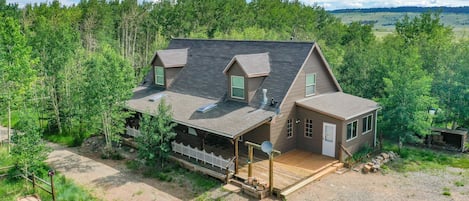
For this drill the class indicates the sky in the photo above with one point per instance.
(327, 4)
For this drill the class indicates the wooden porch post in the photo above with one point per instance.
(250, 153)
(236, 154)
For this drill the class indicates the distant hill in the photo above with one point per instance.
(409, 9)
(384, 19)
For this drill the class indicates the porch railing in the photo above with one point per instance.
(203, 156)
(132, 132)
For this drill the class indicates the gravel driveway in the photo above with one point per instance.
(394, 186)
(105, 182)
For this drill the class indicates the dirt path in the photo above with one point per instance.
(106, 182)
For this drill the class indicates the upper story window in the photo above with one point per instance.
(352, 130)
(159, 75)
(237, 87)
(289, 127)
(367, 124)
(308, 128)
(310, 84)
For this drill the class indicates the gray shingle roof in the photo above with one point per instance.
(254, 65)
(339, 105)
(202, 82)
(228, 119)
(203, 74)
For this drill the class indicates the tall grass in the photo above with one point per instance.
(417, 158)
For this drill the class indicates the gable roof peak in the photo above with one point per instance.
(172, 57)
(254, 65)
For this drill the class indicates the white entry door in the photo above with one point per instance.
(328, 139)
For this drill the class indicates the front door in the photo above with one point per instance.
(328, 139)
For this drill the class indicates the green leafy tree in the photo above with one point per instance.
(406, 95)
(156, 134)
(108, 85)
(16, 72)
(29, 150)
(451, 85)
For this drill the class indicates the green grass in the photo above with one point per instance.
(415, 159)
(66, 190)
(446, 191)
(459, 183)
(66, 140)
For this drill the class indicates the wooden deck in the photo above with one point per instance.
(289, 168)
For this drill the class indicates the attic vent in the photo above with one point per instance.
(207, 107)
(156, 97)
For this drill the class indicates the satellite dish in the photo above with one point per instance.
(266, 147)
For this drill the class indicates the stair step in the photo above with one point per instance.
(232, 188)
(236, 182)
(341, 170)
(339, 165)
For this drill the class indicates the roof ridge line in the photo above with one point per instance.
(246, 40)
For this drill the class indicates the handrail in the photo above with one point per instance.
(345, 149)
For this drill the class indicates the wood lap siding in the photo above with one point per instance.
(314, 144)
(170, 74)
(324, 84)
(253, 85)
(236, 70)
(368, 138)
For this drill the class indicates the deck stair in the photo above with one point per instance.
(333, 167)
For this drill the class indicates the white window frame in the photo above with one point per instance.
(368, 123)
(289, 128)
(243, 88)
(159, 79)
(356, 130)
(310, 85)
(309, 129)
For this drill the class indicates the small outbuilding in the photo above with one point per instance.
(448, 138)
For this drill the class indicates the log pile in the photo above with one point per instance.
(378, 161)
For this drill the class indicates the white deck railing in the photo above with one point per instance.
(202, 155)
(132, 132)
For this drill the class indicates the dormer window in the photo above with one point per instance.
(310, 84)
(167, 64)
(245, 74)
(159, 75)
(237, 87)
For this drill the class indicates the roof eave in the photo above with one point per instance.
(320, 111)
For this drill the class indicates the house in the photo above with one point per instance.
(224, 92)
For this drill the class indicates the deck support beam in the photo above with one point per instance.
(250, 153)
(236, 152)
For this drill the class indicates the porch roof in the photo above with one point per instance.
(339, 105)
(229, 118)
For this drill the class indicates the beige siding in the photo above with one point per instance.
(355, 144)
(258, 135)
(253, 86)
(314, 144)
(324, 81)
(170, 74)
(236, 70)
(324, 84)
